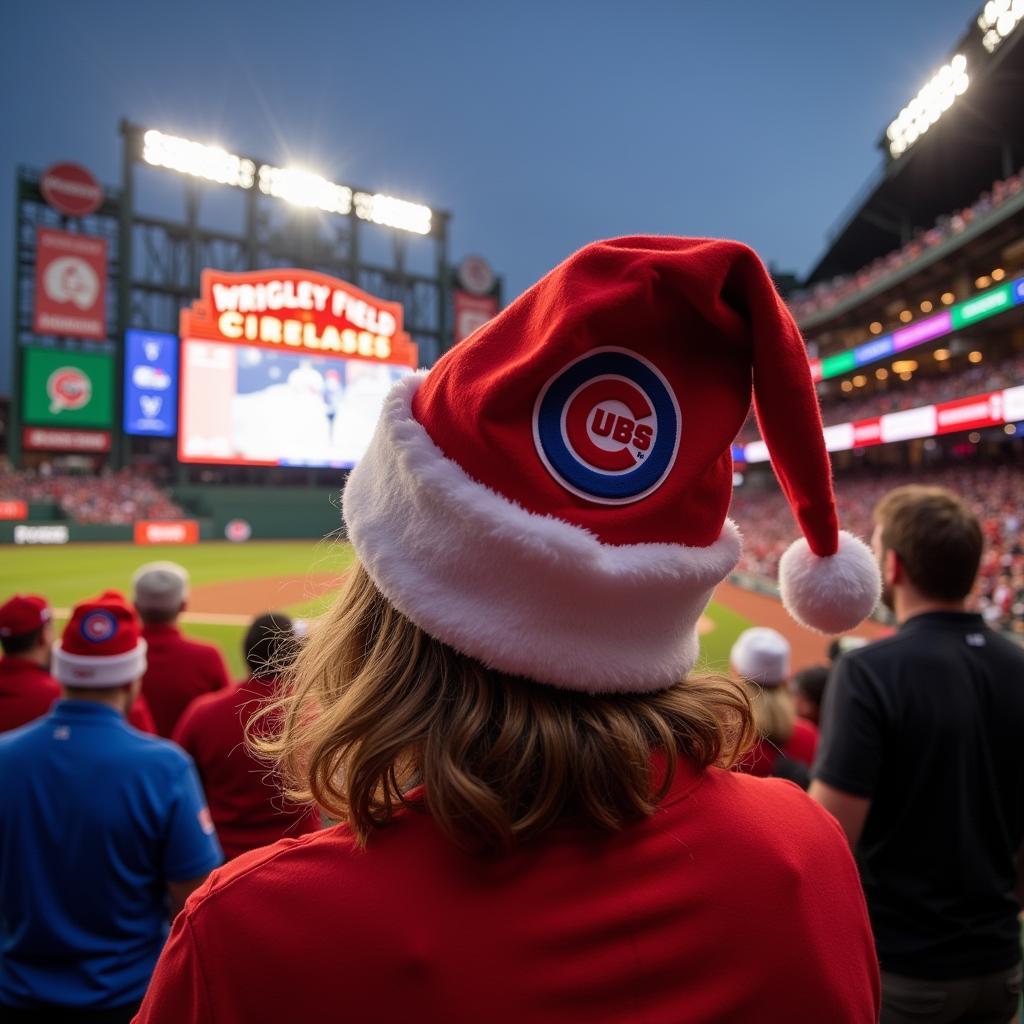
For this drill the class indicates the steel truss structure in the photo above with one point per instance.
(166, 257)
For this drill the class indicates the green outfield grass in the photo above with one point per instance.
(69, 574)
(66, 575)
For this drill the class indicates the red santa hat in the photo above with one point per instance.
(101, 645)
(22, 614)
(551, 498)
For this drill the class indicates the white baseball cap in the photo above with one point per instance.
(160, 587)
(762, 656)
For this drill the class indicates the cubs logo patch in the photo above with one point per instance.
(98, 626)
(607, 427)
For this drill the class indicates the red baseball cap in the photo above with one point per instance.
(101, 645)
(22, 614)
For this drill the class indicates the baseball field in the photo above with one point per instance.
(233, 582)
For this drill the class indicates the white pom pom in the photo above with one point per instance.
(833, 594)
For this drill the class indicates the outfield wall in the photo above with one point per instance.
(274, 513)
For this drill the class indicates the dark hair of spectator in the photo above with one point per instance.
(270, 645)
(936, 537)
(15, 645)
(810, 683)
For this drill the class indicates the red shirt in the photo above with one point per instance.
(26, 692)
(178, 670)
(247, 807)
(140, 716)
(802, 746)
(737, 901)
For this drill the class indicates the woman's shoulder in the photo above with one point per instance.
(300, 868)
(771, 812)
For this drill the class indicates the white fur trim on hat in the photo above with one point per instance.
(92, 671)
(832, 594)
(526, 594)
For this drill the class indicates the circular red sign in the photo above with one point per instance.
(475, 275)
(238, 531)
(71, 189)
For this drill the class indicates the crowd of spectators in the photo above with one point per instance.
(924, 389)
(112, 498)
(996, 493)
(826, 294)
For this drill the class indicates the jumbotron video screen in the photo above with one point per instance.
(250, 405)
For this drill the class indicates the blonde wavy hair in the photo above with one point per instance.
(774, 712)
(373, 707)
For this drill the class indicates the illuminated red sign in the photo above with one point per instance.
(969, 413)
(71, 285)
(471, 312)
(298, 310)
(867, 432)
(71, 189)
(13, 508)
(169, 531)
(43, 439)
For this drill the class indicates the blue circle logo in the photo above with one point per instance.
(607, 427)
(98, 626)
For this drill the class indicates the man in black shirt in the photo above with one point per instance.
(922, 762)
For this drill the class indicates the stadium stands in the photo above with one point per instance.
(938, 382)
(118, 498)
(826, 295)
(995, 492)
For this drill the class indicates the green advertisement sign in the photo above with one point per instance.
(68, 389)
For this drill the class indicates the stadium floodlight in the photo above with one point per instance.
(305, 188)
(201, 161)
(934, 99)
(393, 213)
(295, 185)
(997, 20)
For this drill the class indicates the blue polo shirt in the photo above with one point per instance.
(95, 819)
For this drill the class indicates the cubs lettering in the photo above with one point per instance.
(607, 427)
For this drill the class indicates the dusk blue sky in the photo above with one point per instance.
(541, 126)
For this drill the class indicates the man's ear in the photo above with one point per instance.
(892, 568)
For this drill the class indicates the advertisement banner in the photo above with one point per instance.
(150, 383)
(471, 312)
(55, 533)
(43, 439)
(13, 508)
(71, 285)
(972, 413)
(167, 531)
(867, 432)
(68, 388)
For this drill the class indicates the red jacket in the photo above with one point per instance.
(802, 746)
(178, 670)
(26, 692)
(247, 806)
(737, 901)
(140, 716)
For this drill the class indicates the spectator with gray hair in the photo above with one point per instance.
(179, 668)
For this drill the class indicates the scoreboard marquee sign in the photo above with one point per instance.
(286, 368)
(298, 310)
